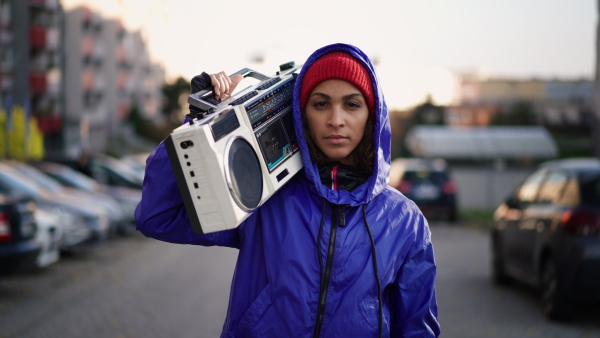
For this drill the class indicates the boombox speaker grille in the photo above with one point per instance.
(245, 175)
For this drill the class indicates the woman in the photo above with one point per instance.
(336, 251)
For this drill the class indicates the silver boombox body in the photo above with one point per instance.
(231, 161)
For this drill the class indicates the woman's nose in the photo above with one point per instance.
(336, 119)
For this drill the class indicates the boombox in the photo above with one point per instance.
(241, 152)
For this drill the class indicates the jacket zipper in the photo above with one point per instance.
(341, 218)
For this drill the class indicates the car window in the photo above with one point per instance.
(419, 176)
(12, 183)
(39, 177)
(570, 196)
(590, 191)
(529, 189)
(553, 187)
(72, 178)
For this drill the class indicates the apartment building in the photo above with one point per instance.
(31, 71)
(555, 102)
(109, 71)
(75, 73)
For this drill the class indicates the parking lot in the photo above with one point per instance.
(138, 287)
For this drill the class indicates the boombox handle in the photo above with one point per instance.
(205, 100)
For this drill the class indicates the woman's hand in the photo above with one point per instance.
(224, 85)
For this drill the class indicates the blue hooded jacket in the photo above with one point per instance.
(305, 266)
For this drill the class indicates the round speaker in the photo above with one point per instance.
(243, 173)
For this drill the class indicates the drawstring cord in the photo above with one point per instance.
(374, 254)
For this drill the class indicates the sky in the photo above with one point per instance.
(420, 48)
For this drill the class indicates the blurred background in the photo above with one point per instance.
(480, 95)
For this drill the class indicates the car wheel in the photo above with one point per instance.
(499, 275)
(556, 303)
(453, 217)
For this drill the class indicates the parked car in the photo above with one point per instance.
(137, 162)
(128, 198)
(49, 235)
(114, 172)
(105, 169)
(19, 249)
(84, 223)
(110, 207)
(428, 183)
(547, 234)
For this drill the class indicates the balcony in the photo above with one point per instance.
(6, 37)
(38, 3)
(37, 36)
(49, 124)
(38, 82)
(6, 82)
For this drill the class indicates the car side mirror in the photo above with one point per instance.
(512, 202)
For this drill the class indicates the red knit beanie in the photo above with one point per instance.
(337, 65)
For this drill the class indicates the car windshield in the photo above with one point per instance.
(13, 182)
(38, 176)
(72, 178)
(121, 169)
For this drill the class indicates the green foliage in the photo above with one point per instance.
(429, 113)
(146, 128)
(520, 113)
(172, 92)
(477, 218)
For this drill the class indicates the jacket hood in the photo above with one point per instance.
(377, 181)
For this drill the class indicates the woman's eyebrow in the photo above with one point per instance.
(349, 96)
(345, 97)
(323, 95)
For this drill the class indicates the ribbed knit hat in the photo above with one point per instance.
(342, 66)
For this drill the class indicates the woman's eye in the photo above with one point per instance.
(353, 104)
(319, 104)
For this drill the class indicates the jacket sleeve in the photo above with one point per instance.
(412, 297)
(161, 213)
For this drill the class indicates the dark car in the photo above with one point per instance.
(428, 183)
(547, 234)
(19, 249)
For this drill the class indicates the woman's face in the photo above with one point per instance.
(336, 113)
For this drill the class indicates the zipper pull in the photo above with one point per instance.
(342, 215)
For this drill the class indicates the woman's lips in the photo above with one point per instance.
(336, 139)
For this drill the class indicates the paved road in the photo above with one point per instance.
(132, 287)
(136, 287)
(470, 306)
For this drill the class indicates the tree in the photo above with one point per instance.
(429, 113)
(520, 113)
(172, 92)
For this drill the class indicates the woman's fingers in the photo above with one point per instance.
(234, 81)
(222, 84)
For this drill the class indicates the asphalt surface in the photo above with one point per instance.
(138, 287)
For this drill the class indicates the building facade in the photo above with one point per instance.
(75, 73)
(555, 103)
(31, 56)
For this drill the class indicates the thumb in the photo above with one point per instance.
(235, 80)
